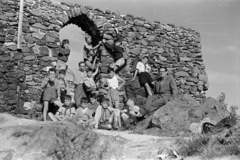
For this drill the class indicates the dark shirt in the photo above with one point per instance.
(63, 54)
(115, 51)
(166, 87)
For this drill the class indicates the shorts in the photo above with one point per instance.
(50, 94)
(114, 94)
(145, 77)
(61, 65)
(120, 62)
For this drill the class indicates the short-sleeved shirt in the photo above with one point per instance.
(93, 107)
(46, 83)
(80, 112)
(89, 82)
(66, 111)
(63, 84)
(143, 68)
(79, 76)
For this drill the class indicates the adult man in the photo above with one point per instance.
(78, 77)
(165, 88)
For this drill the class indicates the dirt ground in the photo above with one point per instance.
(136, 147)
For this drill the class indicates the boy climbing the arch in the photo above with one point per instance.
(89, 50)
(63, 55)
(116, 51)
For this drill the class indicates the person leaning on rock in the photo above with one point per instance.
(165, 89)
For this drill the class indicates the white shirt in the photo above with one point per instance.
(113, 82)
(141, 67)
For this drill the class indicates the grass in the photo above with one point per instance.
(210, 146)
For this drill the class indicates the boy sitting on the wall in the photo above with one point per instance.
(66, 112)
(63, 55)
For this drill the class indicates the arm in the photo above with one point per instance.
(173, 87)
(44, 82)
(123, 82)
(94, 61)
(58, 92)
(93, 48)
(135, 74)
(96, 72)
(67, 87)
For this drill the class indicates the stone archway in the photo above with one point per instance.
(176, 48)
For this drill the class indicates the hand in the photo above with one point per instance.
(103, 40)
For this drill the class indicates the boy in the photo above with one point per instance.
(66, 112)
(90, 62)
(89, 81)
(114, 87)
(83, 114)
(93, 104)
(63, 55)
(50, 86)
(145, 78)
(89, 50)
(63, 88)
(107, 117)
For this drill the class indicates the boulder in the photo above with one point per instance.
(48, 140)
(176, 116)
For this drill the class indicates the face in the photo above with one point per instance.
(90, 58)
(93, 100)
(66, 45)
(62, 76)
(111, 74)
(145, 60)
(82, 67)
(89, 74)
(89, 40)
(162, 72)
(130, 102)
(67, 102)
(84, 105)
(52, 75)
(105, 104)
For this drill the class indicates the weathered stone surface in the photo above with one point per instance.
(29, 58)
(3, 86)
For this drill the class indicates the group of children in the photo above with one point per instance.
(95, 110)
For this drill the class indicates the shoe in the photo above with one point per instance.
(155, 123)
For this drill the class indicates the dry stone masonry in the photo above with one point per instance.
(22, 71)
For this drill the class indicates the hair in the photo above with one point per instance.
(110, 70)
(145, 57)
(84, 100)
(93, 95)
(65, 41)
(81, 63)
(89, 70)
(62, 72)
(68, 97)
(52, 70)
(104, 99)
(165, 68)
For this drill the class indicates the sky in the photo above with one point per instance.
(217, 21)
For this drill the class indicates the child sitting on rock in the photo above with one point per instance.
(131, 113)
(63, 87)
(107, 117)
(83, 115)
(66, 112)
(93, 104)
(89, 50)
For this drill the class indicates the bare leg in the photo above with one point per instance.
(97, 116)
(52, 117)
(148, 89)
(116, 104)
(45, 110)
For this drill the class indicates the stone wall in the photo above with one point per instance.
(21, 71)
